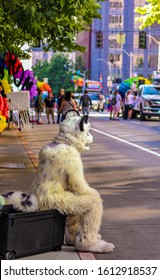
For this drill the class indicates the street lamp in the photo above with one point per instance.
(109, 81)
(131, 61)
(107, 63)
(158, 66)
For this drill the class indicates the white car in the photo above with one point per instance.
(148, 102)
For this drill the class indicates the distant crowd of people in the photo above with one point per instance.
(124, 103)
(66, 101)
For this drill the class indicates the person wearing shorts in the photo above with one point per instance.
(49, 102)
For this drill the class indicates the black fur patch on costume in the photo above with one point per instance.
(7, 194)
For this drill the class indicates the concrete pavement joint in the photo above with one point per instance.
(30, 153)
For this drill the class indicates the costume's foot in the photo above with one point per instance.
(68, 240)
(100, 246)
(99, 236)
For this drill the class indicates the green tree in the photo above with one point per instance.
(150, 13)
(41, 69)
(58, 75)
(54, 23)
(80, 64)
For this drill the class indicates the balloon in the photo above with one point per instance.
(3, 123)
(33, 91)
(3, 112)
(80, 82)
(13, 63)
(19, 74)
(45, 87)
(39, 84)
(6, 75)
(6, 86)
(5, 108)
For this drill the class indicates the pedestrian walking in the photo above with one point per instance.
(74, 98)
(39, 107)
(60, 98)
(86, 103)
(130, 103)
(110, 105)
(49, 102)
(118, 104)
(67, 104)
(134, 86)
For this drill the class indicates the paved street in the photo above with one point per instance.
(123, 165)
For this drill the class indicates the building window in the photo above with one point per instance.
(114, 57)
(113, 44)
(116, 5)
(115, 19)
(45, 56)
(36, 61)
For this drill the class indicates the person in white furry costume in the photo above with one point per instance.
(60, 184)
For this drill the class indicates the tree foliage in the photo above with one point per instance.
(55, 23)
(58, 76)
(80, 64)
(150, 13)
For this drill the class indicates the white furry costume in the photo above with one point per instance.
(60, 184)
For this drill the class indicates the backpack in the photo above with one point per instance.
(85, 100)
(113, 101)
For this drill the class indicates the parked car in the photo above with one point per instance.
(148, 102)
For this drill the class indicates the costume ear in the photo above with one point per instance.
(83, 120)
(70, 113)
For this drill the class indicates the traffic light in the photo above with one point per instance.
(142, 40)
(99, 39)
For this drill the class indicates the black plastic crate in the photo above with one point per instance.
(24, 234)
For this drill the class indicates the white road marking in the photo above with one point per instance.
(127, 142)
(135, 122)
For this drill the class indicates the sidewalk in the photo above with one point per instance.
(18, 162)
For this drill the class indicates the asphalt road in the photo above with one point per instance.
(123, 164)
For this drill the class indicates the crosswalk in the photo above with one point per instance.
(91, 114)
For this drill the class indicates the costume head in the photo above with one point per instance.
(74, 130)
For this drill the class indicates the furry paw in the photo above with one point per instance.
(99, 236)
(100, 246)
(109, 247)
(69, 241)
(21, 201)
